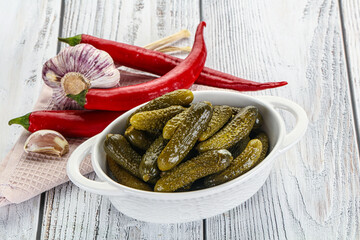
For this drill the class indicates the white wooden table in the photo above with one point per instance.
(314, 190)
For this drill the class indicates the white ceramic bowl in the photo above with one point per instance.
(195, 205)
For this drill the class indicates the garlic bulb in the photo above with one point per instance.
(76, 69)
(47, 142)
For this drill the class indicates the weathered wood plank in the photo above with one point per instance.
(350, 10)
(313, 191)
(71, 213)
(28, 36)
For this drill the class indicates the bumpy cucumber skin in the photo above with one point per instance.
(221, 115)
(118, 148)
(264, 139)
(138, 138)
(184, 174)
(239, 147)
(171, 125)
(186, 135)
(259, 119)
(181, 97)
(124, 177)
(148, 166)
(155, 119)
(238, 128)
(243, 163)
(236, 110)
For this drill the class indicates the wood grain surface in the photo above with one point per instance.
(350, 12)
(28, 38)
(313, 191)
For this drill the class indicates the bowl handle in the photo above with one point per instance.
(300, 115)
(73, 172)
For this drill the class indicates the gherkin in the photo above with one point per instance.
(181, 97)
(238, 128)
(239, 147)
(148, 166)
(186, 135)
(198, 167)
(124, 177)
(118, 148)
(137, 138)
(171, 125)
(264, 139)
(221, 115)
(155, 119)
(243, 163)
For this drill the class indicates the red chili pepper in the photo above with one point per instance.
(70, 123)
(124, 98)
(159, 63)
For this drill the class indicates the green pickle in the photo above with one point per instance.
(181, 97)
(148, 166)
(124, 177)
(239, 147)
(264, 139)
(184, 188)
(118, 148)
(186, 135)
(171, 125)
(236, 110)
(186, 146)
(221, 115)
(258, 121)
(138, 138)
(184, 174)
(155, 119)
(238, 128)
(243, 163)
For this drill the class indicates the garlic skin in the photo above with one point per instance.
(79, 68)
(47, 142)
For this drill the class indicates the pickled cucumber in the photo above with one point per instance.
(239, 147)
(124, 177)
(155, 119)
(258, 121)
(181, 97)
(119, 149)
(243, 163)
(236, 110)
(148, 166)
(186, 135)
(138, 138)
(221, 115)
(238, 128)
(184, 174)
(171, 125)
(265, 144)
(185, 188)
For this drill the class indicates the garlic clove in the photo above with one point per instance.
(47, 142)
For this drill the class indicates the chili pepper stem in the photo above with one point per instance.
(74, 83)
(79, 98)
(72, 41)
(23, 121)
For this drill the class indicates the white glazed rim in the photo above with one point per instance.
(192, 194)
